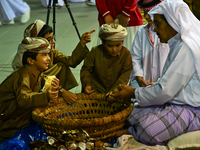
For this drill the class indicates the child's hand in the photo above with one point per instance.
(88, 89)
(53, 94)
(109, 97)
(86, 37)
(55, 83)
(141, 82)
(110, 92)
(69, 97)
(150, 83)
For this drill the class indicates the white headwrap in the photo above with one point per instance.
(31, 44)
(112, 32)
(179, 16)
(33, 29)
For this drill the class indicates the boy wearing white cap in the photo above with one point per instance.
(20, 92)
(109, 64)
(124, 12)
(60, 63)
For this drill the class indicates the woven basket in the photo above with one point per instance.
(93, 113)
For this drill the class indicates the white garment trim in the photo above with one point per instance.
(105, 13)
(126, 13)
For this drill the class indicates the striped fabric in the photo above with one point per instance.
(159, 124)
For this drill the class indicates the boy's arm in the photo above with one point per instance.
(26, 98)
(75, 59)
(78, 54)
(129, 8)
(104, 11)
(87, 69)
(125, 75)
(102, 8)
(136, 54)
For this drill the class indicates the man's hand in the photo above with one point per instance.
(125, 92)
(86, 38)
(88, 89)
(69, 97)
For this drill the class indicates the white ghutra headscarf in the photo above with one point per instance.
(179, 16)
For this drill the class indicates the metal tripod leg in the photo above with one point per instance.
(73, 21)
(54, 16)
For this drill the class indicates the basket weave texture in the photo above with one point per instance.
(93, 113)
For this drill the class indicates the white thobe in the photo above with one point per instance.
(148, 59)
(45, 3)
(11, 9)
(179, 83)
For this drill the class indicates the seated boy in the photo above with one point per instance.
(20, 91)
(109, 64)
(60, 63)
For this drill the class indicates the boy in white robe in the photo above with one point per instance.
(148, 54)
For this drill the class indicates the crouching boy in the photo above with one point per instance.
(20, 92)
(109, 64)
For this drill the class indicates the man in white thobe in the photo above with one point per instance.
(171, 106)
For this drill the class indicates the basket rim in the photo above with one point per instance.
(83, 122)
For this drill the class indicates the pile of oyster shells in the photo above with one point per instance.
(69, 140)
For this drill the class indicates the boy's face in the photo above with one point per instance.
(113, 47)
(49, 37)
(147, 17)
(42, 61)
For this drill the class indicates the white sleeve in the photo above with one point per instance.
(176, 77)
(136, 54)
